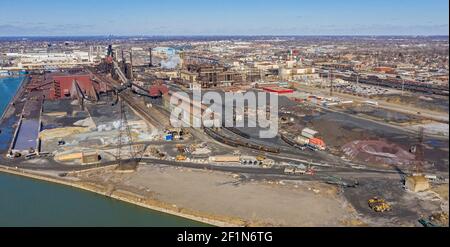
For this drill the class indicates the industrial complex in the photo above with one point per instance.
(362, 139)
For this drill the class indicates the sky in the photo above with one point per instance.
(224, 17)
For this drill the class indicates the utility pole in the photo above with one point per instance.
(403, 85)
(330, 75)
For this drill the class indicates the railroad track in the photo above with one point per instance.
(236, 143)
(154, 118)
(144, 111)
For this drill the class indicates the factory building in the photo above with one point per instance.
(304, 74)
(67, 86)
(209, 76)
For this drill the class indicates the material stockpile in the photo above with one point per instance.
(49, 134)
(377, 151)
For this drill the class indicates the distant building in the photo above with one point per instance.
(386, 70)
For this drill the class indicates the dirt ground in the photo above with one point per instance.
(407, 207)
(430, 102)
(225, 194)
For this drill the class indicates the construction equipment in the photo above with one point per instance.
(181, 157)
(379, 205)
(439, 219)
(427, 223)
(260, 157)
(289, 170)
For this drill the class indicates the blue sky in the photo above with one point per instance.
(225, 17)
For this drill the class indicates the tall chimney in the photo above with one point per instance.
(110, 51)
(150, 63)
(131, 63)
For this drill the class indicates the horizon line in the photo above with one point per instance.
(225, 35)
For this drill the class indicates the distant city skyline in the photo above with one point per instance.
(232, 17)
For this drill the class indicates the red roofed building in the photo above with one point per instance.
(66, 86)
(386, 70)
(158, 90)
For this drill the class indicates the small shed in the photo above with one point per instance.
(89, 157)
(310, 133)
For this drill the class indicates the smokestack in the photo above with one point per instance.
(110, 51)
(91, 54)
(150, 63)
(131, 64)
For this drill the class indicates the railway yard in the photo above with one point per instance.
(336, 148)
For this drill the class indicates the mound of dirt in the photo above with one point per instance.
(377, 151)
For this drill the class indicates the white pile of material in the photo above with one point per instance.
(88, 122)
(201, 151)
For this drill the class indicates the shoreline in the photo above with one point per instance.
(127, 197)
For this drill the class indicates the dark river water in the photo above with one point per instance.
(30, 202)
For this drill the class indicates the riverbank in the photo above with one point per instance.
(212, 197)
(123, 196)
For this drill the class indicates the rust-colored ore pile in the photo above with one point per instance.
(377, 152)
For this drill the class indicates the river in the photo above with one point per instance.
(8, 88)
(30, 202)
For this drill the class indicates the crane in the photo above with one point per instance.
(126, 139)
